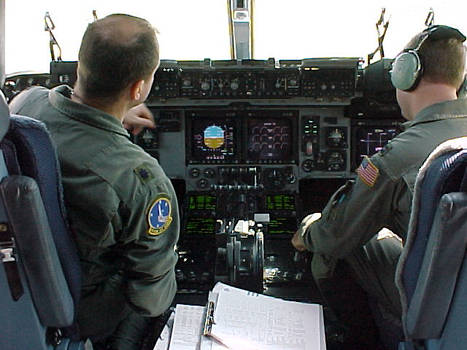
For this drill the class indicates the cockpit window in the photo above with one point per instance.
(295, 29)
(188, 29)
(194, 30)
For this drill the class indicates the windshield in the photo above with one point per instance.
(194, 30)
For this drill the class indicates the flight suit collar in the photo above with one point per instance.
(440, 111)
(60, 98)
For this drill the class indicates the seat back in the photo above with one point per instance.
(432, 271)
(40, 272)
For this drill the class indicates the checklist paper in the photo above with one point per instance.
(243, 320)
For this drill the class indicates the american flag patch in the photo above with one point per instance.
(368, 172)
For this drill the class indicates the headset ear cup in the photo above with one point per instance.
(406, 71)
(462, 92)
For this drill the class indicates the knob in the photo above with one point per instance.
(335, 161)
(209, 172)
(336, 137)
(205, 86)
(291, 178)
(308, 165)
(194, 172)
(234, 85)
(202, 183)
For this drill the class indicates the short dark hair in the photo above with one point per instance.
(443, 60)
(110, 57)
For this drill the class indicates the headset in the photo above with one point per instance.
(462, 92)
(407, 68)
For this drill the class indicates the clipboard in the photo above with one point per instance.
(235, 319)
(209, 318)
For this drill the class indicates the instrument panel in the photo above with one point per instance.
(316, 79)
(257, 144)
(262, 142)
(284, 144)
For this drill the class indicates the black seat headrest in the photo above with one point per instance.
(4, 116)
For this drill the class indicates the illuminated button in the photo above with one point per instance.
(309, 148)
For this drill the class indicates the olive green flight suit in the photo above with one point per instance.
(381, 196)
(122, 208)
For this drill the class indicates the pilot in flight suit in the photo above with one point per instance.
(122, 209)
(380, 197)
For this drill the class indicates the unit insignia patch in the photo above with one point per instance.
(159, 216)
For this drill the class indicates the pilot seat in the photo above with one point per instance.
(40, 269)
(432, 270)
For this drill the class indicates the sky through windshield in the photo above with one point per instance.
(291, 29)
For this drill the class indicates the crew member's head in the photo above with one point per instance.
(119, 55)
(434, 57)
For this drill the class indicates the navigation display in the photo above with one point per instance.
(214, 140)
(371, 140)
(269, 139)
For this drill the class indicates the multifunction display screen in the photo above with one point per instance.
(371, 140)
(214, 140)
(280, 202)
(202, 202)
(269, 139)
(199, 226)
(232, 137)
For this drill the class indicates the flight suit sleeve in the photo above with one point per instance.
(354, 214)
(150, 254)
(27, 99)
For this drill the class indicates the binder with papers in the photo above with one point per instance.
(241, 320)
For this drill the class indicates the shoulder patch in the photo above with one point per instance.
(368, 172)
(159, 215)
(143, 173)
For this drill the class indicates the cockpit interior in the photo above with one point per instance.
(251, 147)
